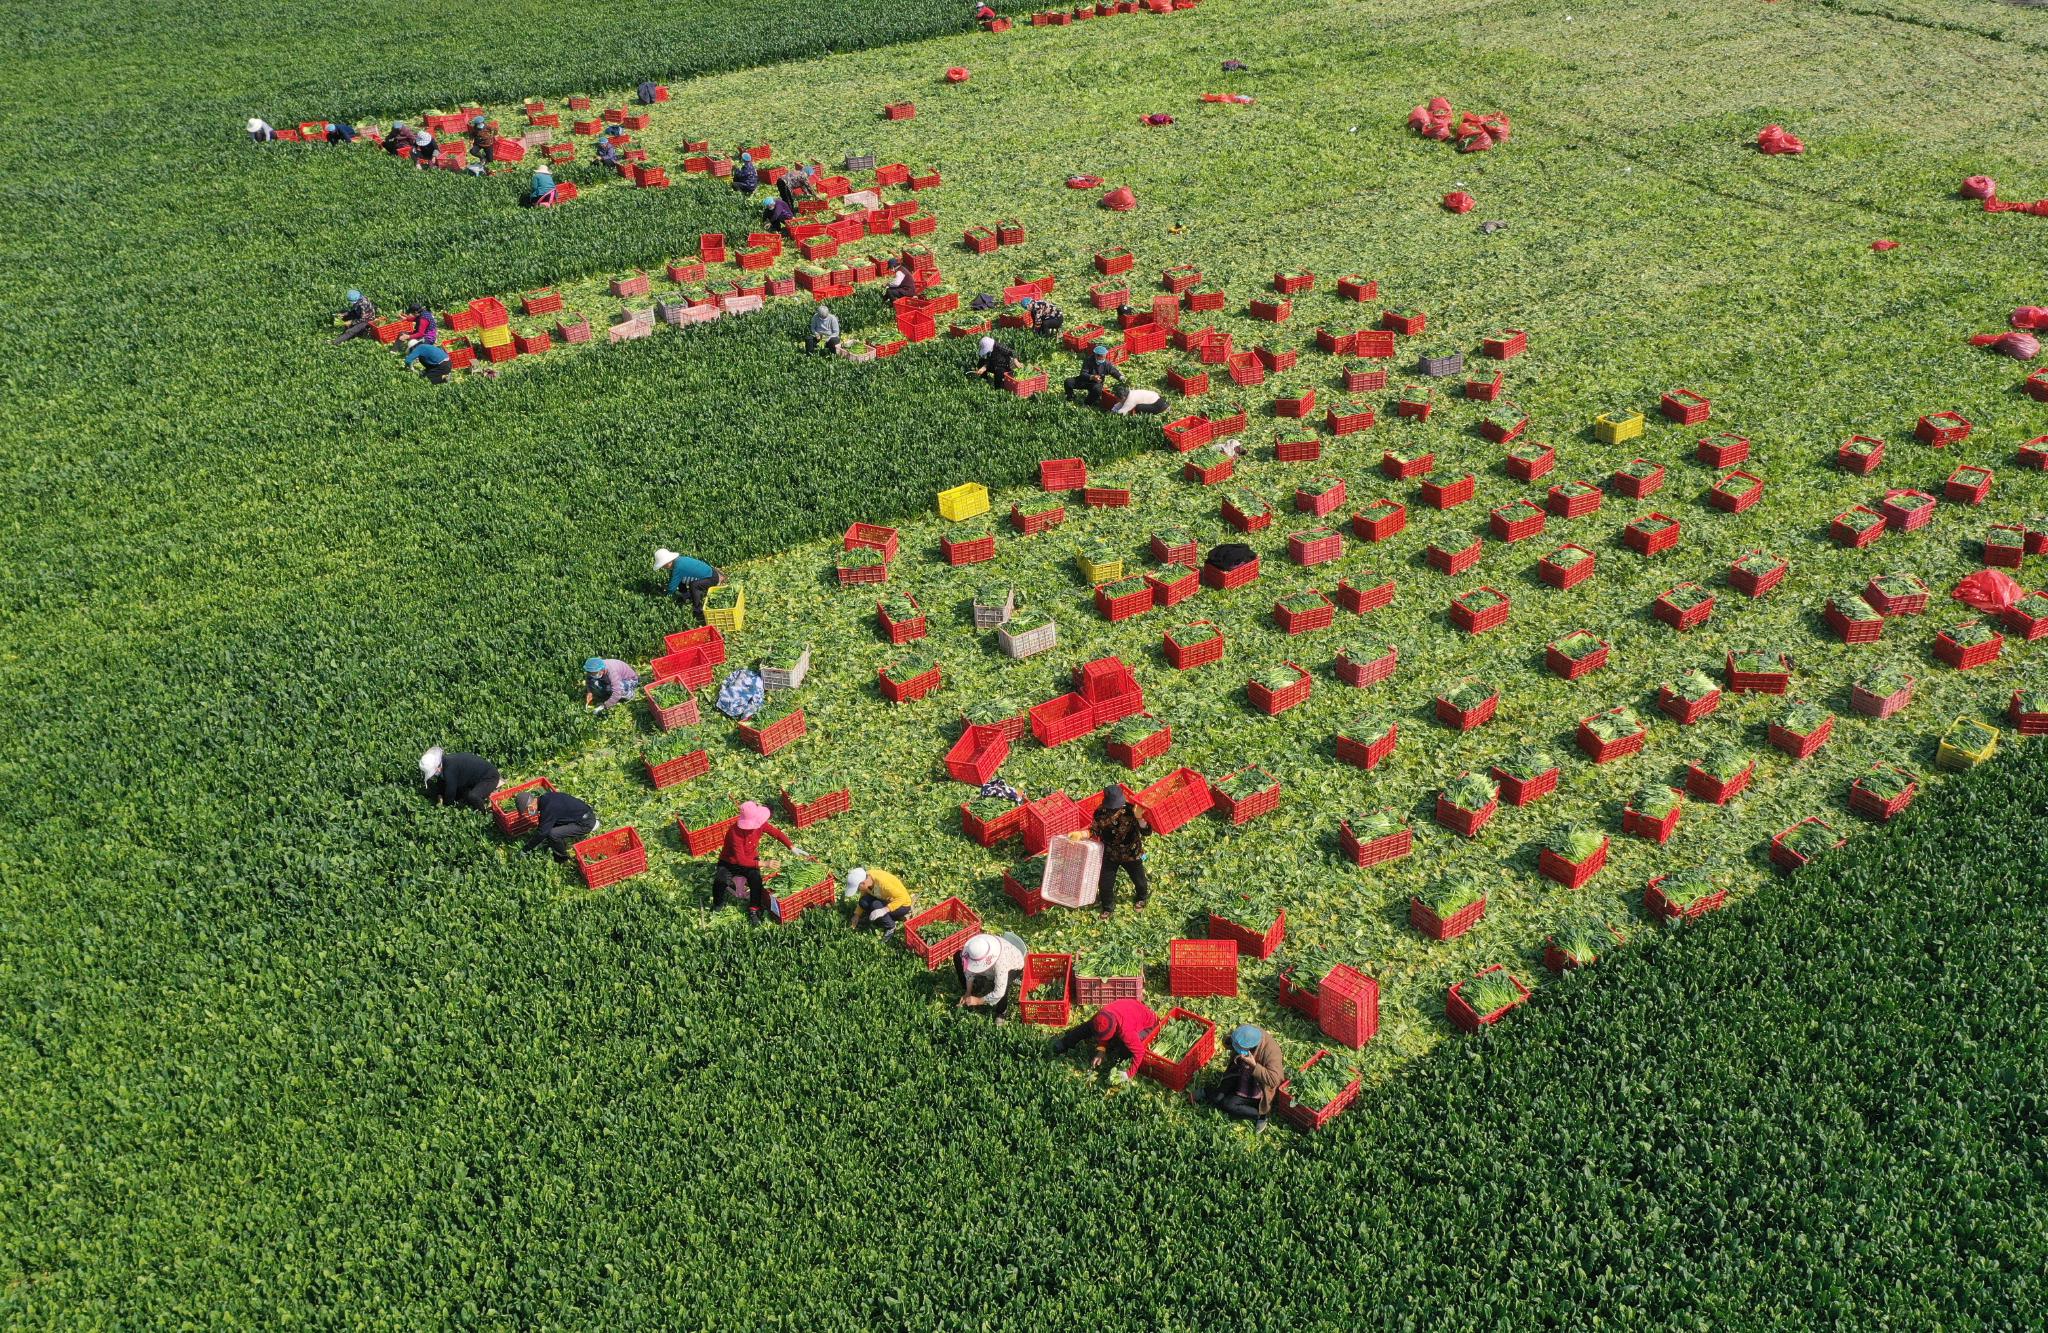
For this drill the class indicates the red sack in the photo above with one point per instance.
(956, 74)
(1418, 119)
(1120, 200)
(2030, 317)
(1084, 182)
(1459, 202)
(1884, 245)
(1476, 143)
(1988, 590)
(1440, 107)
(1157, 118)
(1978, 187)
(2018, 346)
(1773, 139)
(1439, 130)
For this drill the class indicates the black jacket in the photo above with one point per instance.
(555, 811)
(1101, 367)
(460, 773)
(1000, 360)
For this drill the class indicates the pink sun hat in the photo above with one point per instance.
(753, 815)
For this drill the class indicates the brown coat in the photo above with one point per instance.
(1121, 833)
(1258, 1075)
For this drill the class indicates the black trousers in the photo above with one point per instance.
(477, 796)
(865, 908)
(694, 589)
(1105, 887)
(1088, 384)
(811, 344)
(986, 985)
(560, 837)
(1118, 1053)
(356, 330)
(437, 373)
(1153, 408)
(726, 881)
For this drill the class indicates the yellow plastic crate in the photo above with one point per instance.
(500, 336)
(1955, 752)
(726, 607)
(963, 501)
(1615, 430)
(1105, 571)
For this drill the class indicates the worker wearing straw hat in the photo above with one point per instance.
(991, 973)
(688, 577)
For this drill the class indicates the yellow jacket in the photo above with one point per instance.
(885, 886)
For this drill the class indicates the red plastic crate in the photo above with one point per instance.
(504, 808)
(990, 832)
(1367, 754)
(1430, 925)
(1030, 525)
(873, 537)
(826, 806)
(1636, 487)
(1274, 702)
(1465, 1018)
(1571, 668)
(1796, 745)
(1652, 534)
(1124, 605)
(1466, 719)
(1862, 464)
(1682, 618)
(766, 741)
(708, 839)
(1450, 496)
(1348, 1010)
(1783, 856)
(1566, 576)
(682, 768)
(1180, 657)
(1368, 852)
(1962, 658)
(1478, 622)
(976, 756)
(1040, 968)
(1534, 465)
(1173, 585)
(1106, 497)
(1225, 579)
(1179, 1073)
(1370, 594)
(1250, 943)
(1968, 484)
(1379, 520)
(1175, 800)
(1361, 674)
(1506, 344)
(1575, 503)
(1213, 475)
(1188, 433)
(1905, 510)
(1364, 381)
(1062, 474)
(2027, 724)
(1639, 825)
(1868, 803)
(1301, 622)
(1851, 631)
(1871, 704)
(1142, 753)
(1318, 505)
(1755, 585)
(1760, 682)
(971, 552)
(1519, 792)
(1058, 721)
(609, 857)
(1449, 560)
(1658, 906)
(1685, 406)
(2027, 628)
(1318, 547)
(1942, 429)
(1197, 968)
(1465, 823)
(1309, 1119)
(940, 931)
(1396, 469)
(1573, 876)
(1685, 712)
(1724, 450)
(1352, 287)
(1238, 812)
(1704, 786)
(1606, 752)
(1500, 434)
(898, 631)
(1407, 325)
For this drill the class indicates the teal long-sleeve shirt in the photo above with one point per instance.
(686, 568)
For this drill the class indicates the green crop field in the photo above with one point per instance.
(283, 1044)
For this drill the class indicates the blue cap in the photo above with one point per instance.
(594, 665)
(354, 296)
(1023, 300)
(746, 157)
(1100, 349)
(1244, 1038)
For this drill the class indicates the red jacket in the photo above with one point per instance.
(744, 849)
(1133, 1021)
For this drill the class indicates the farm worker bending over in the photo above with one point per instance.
(645, 92)
(424, 329)
(1122, 835)
(982, 13)
(560, 821)
(902, 282)
(1249, 1082)
(542, 192)
(1046, 318)
(991, 973)
(608, 681)
(746, 177)
(433, 361)
(996, 360)
(356, 317)
(824, 329)
(607, 152)
(423, 148)
(777, 212)
(688, 577)
(1143, 402)
(260, 131)
(1119, 1030)
(456, 778)
(739, 860)
(884, 903)
(340, 131)
(1095, 368)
